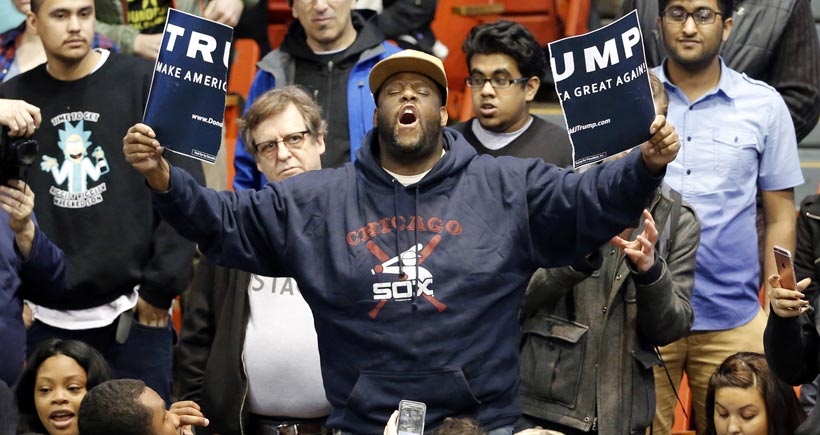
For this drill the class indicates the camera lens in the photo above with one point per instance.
(25, 150)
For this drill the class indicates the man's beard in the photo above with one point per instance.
(389, 137)
(693, 64)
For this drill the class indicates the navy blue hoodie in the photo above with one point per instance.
(441, 328)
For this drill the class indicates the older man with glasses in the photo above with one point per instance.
(248, 351)
(736, 138)
(329, 50)
(506, 66)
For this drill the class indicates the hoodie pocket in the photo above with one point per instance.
(444, 392)
(643, 389)
(552, 357)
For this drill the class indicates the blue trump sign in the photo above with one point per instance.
(186, 104)
(603, 84)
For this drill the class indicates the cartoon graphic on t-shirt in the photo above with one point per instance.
(77, 167)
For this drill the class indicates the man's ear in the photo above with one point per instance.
(31, 21)
(727, 28)
(320, 142)
(444, 117)
(531, 88)
(659, 26)
(376, 117)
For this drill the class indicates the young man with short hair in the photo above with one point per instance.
(120, 254)
(129, 407)
(738, 139)
(506, 66)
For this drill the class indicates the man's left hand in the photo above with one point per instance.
(150, 315)
(662, 147)
(641, 251)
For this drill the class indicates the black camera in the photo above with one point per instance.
(16, 155)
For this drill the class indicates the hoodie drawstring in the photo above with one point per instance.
(416, 243)
(396, 214)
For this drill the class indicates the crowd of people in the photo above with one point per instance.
(373, 251)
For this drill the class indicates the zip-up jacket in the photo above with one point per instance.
(587, 352)
(216, 317)
(279, 68)
(415, 290)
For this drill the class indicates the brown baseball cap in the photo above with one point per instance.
(409, 61)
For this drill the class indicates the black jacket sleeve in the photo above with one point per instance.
(403, 16)
(791, 346)
(197, 334)
(795, 69)
(807, 241)
(170, 269)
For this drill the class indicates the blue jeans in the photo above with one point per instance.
(147, 354)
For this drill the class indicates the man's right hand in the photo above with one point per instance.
(662, 147)
(144, 153)
(17, 199)
(147, 45)
(20, 117)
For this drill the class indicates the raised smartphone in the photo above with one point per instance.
(785, 267)
(411, 417)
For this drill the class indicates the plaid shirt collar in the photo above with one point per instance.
(8, 47)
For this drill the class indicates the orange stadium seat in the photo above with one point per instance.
(279, 17)
(243, 70)
(243, 67)
(683, 413)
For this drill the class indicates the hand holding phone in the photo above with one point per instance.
(785, 305)
(785, 267)
(411, 417)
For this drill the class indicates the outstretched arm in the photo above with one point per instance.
(42, 271)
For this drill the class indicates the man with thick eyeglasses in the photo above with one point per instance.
(702, 16)
(291, 141)
(737, 139)
(247, 350)
(329, 50)
(771, 40)
(506, 66)
(124, 266)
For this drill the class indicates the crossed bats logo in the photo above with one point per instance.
(410, 262)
